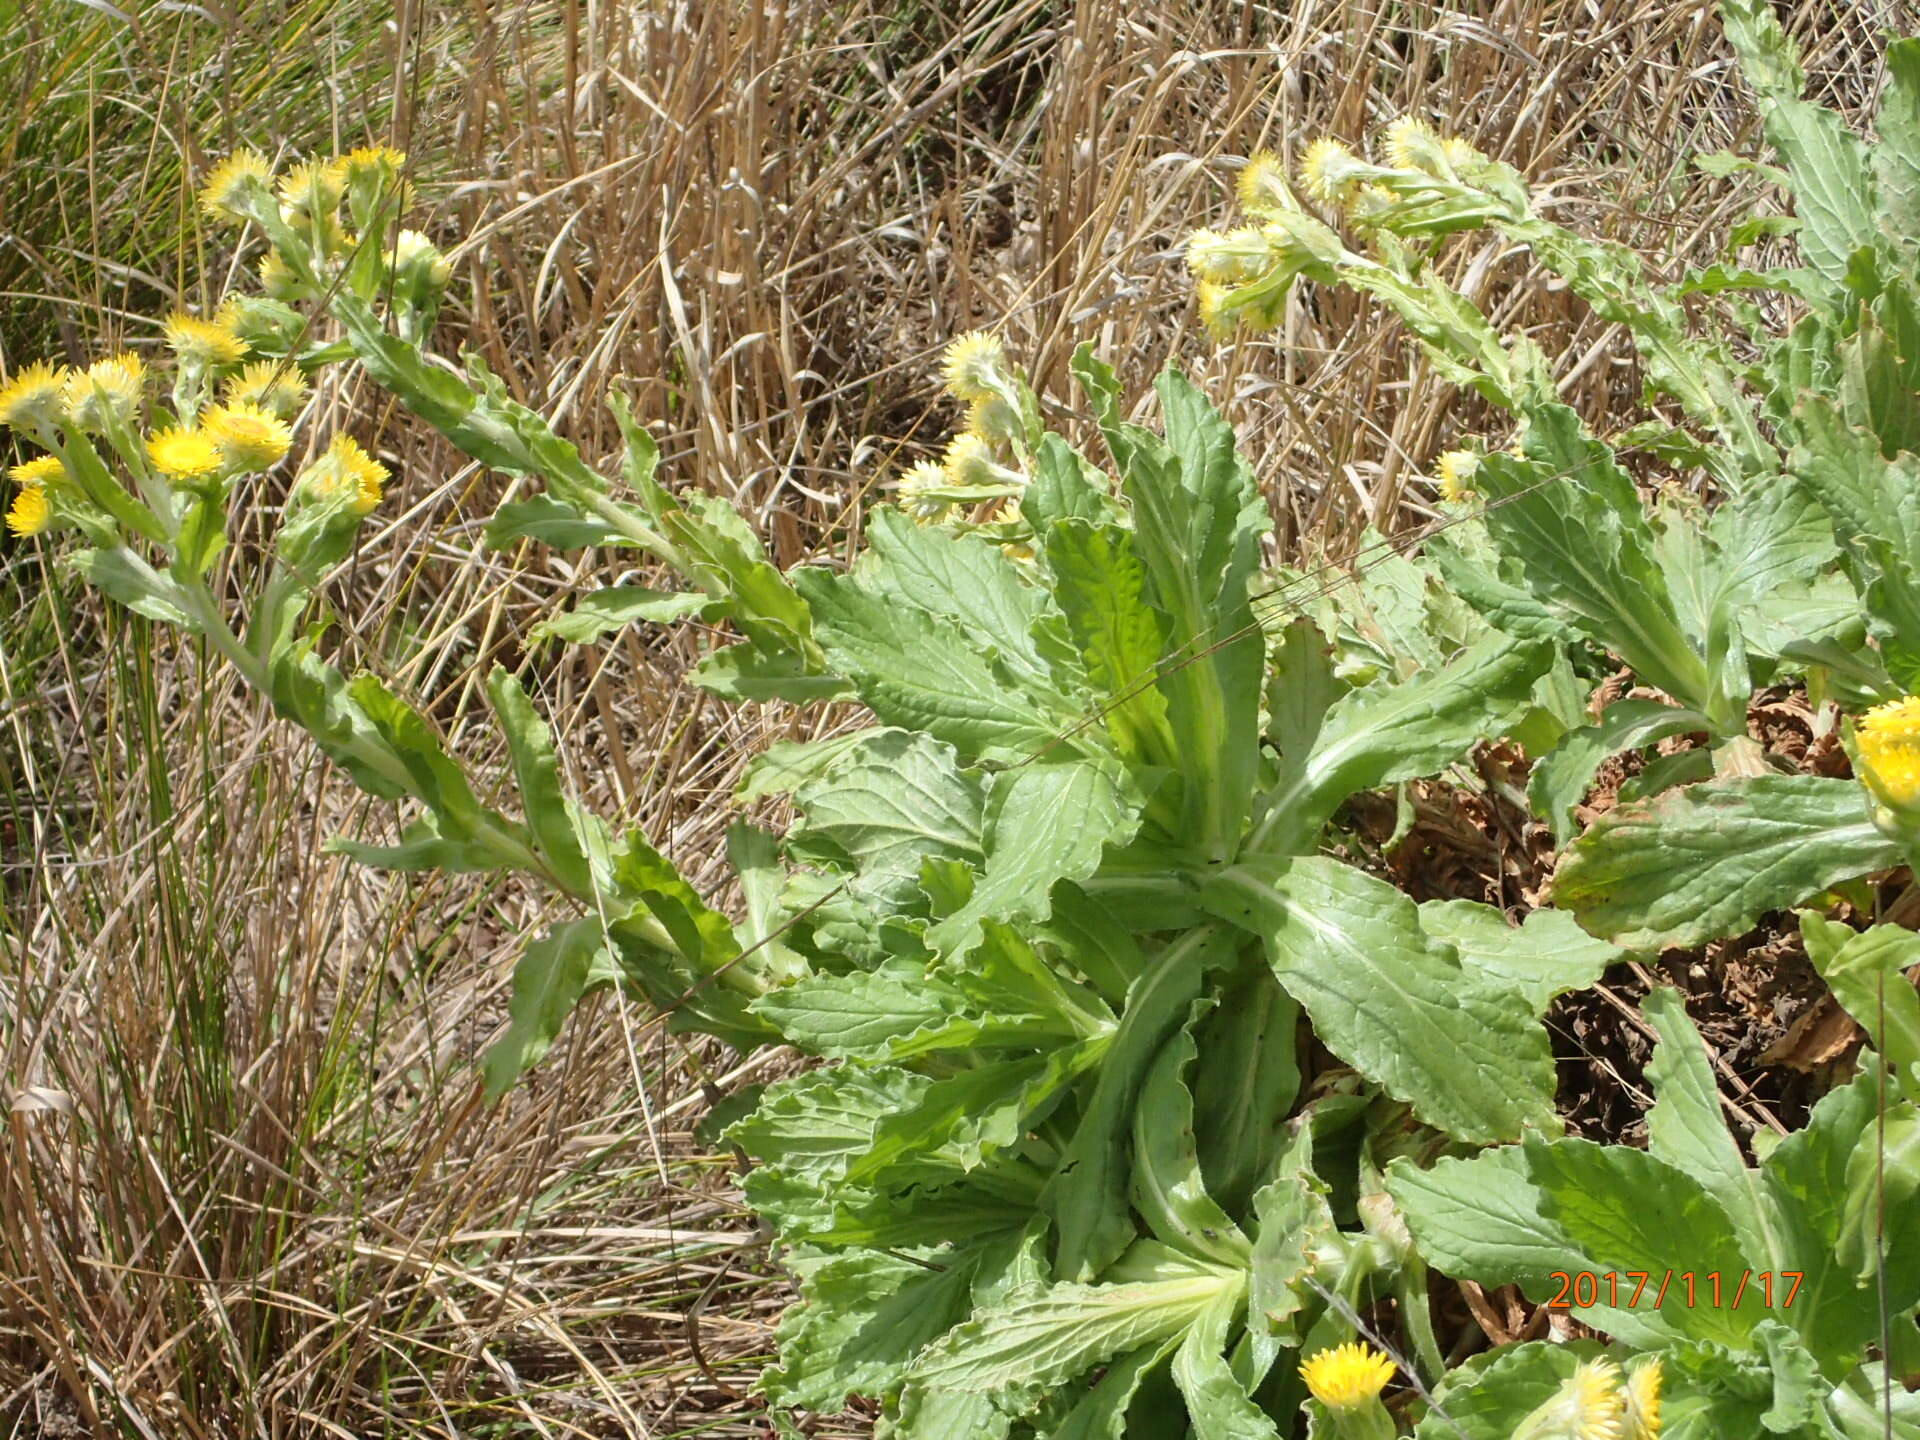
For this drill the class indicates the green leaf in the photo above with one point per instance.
(124, 577)
(1561, 780)
(1088, 1194)
(1381, 734)
(1169, 1190)
(751, 673)
(1832, 189)
(1896, 159)
(438, 780)
(1220, 1407)
(1043, 823)
(1546, 956)
(927, 674)
(1066, 486)
(315, 696)
(786, 765)
(927, 1414)
(548, 981)
(1485, 1220)
(1102, 1413)
(1101, 586)
(1053, 1334)
(1487, 1396)
(549, 813)
(551, 521)
(616, 608)
(1710, 860)
(1294, 1221)
(1250, 1074)
(1685, 1129)
(1462, 1048)
(422, 847)
(861, 1319)
(1866, 970)
(1598, 1196)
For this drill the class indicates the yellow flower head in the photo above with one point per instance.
(276, 387)
(1459, 153)
(974, 365)
(372, 158)
(1209, 295)
(314, 187)
(1643, 1401)
(1235, 258)
(1347, 1376)
(918, 491)
(346, 469)
(413, 251)
(40, 471)
(30, 513)
(1888, 742)
(250, 437)
(970, 462)
(233, 182)
(36, 393)
(277, 277)
(1328, 170)
(203, 342)
(1262, 187)
(993, 420)
(183, 453)
(376, 174)
(1412, 144)
(1589, 1405)
(106, 390)
(1453, 473)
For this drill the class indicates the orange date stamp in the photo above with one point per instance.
(1651, 1289)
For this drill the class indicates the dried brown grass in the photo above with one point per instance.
(248, 1187)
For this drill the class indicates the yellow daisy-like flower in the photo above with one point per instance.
(250, 437)
(1327, 170)
(972, 367)
(183, 453)
(347, 468)
(1453, 474)
(969, 461)
(1459, 152)
(414, 251)
(1240, 255)
(314, 186)
(1262, 188)
(1409, 144)
(918, 492)
(993, 420)
(373, 157)
(39, 471)
(277, 277)
(36, 393)
(1347, 1376)
(227, 189)
(1589, 1405)
(275, 387)
(1643, 1401)
(203, 342)
(1888, 741)
(107, 389)
(30, 513)
(380, 166)
(1209, 296)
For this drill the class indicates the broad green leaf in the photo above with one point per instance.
(1066, 486)
(1832, 189)
(751, 672)
(1088, 1194)
(1561, 780)
(1051, 1335)
(1102, 1414)
(927, 674)
(1169, 1190)
(422, 847)
(1486, 1396)
(885, 806)
(1220, 1407)
(1294, 1220)
(315, 696)
(1379, 734)
(1250, 1074)
(1896, 159)
(1880, 1225)
(617, 607)
(548, 981)
(895, 1011)
(815, 1126)
(861, 1319)
(1485, 1220)
(786, 765)
(1686, 1130)
(1462, 1048)
(551, 521)
(1797, 1387)
(755, 857)
(1544, 957)
(1101, 587)
(1598, 1196)
(1866, 970)
(1043, 823)
(1710, 860)
(122, 576)
(549, 813)
(437, 780)
(1872, 1405)
(938, 1414)
(704, 937)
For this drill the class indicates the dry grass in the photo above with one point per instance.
(248, 1187)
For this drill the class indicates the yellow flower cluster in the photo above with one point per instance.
(1347, 1376)
(1598, 1403)
(1887, 740)
(345, 468)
